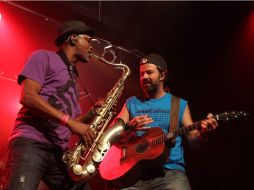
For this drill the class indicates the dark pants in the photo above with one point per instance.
(30, 161)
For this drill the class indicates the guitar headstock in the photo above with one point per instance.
(231, 115)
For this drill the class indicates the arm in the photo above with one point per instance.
(30, 98)
(196, 137)
(124, 114)
(123, 119)
(186, 121)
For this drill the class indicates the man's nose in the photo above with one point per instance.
(145, 75)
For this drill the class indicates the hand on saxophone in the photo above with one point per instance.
(83, 130)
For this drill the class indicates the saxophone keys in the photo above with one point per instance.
(90, 168)
(77, 169)
(97, 157)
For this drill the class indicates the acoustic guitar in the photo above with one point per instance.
(124, 163)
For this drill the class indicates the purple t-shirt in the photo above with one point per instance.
(58, 88)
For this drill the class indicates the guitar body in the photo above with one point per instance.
(125, 163)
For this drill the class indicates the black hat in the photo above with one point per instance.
(72, 27)
(156, 60)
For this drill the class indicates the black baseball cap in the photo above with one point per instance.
(156, 60)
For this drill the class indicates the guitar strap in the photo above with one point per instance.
(174, 114)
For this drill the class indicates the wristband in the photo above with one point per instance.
(64, 120)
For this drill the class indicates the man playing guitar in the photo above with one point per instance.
(152, 109)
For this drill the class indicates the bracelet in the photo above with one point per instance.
(64, 120)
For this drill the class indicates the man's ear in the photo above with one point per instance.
(72, 40)
(162, 76)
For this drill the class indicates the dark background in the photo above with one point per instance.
(209, 49)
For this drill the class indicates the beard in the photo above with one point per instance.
(149, 87)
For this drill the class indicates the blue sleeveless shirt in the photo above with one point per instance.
(159, 111)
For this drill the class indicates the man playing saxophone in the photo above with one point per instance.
(46, 120)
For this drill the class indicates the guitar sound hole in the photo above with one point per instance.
(142, 146)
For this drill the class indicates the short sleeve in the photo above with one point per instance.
(35, 68)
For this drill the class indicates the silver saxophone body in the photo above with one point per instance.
(82, 162)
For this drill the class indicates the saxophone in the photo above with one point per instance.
(82, 162)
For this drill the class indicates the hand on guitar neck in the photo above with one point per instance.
(204, 127)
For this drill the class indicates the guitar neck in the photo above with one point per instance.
(185, 130)
(226, 116)
(196, 125)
